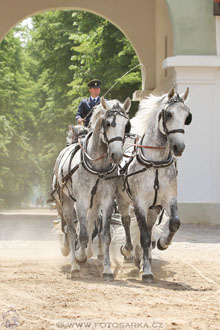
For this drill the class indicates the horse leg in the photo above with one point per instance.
(145, 240)
(138, 255)
(91, 217)
(100, 253)
(97, 231)
(81, 255)
(65, 244)
(63, 239)
(123, 207)
(107, 213)
(68, 207)
(151, 220)
(174, 224)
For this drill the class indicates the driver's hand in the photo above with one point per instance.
(80, 121)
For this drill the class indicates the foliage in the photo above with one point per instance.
(16, 154)
(44, 74)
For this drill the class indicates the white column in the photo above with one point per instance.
(199, 167)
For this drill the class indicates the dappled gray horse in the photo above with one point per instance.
(74, 132)
(150, 175)
(81, 172)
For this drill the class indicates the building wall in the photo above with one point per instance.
(199, 174)
(163, 39)
(193, 26)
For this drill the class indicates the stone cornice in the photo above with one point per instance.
(191, 61)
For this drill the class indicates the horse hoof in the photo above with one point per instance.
(160, 247)
(124, 251)
(153, 244)
(128, 260)
(81, 262)
(65, 251)
(137, 263)
(75, 274)
(147, 278)
(108, 277)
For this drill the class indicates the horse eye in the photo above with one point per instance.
(108, 124)
(169, 114)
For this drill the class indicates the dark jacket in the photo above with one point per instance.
(85, 108)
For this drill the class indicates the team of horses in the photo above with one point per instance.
(132, 162)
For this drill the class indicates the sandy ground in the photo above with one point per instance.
(36, 291)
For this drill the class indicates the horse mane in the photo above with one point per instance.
(147, 108)
(99, 111)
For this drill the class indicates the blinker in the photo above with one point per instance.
(188, 119)
(128, 127)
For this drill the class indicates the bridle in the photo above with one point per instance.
(164, 115)
(116, 110)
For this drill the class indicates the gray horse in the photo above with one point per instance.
(150, 176)
(81, 173)
(74, 132)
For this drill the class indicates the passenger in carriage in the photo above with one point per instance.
(86, 106)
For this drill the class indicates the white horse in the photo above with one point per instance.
(80, 180)
(149, 178)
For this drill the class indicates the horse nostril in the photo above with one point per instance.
(116, 157)
(175, 149)
(178, 149)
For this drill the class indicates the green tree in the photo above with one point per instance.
(44, 74)
(16, 157)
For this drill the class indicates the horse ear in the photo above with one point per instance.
(127, 104)
(104, 103)
(171, 93)
(185, 95)
(70, 127)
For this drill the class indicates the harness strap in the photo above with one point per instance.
(93, 192)
(84, 149)
(176, 131)
(117, 138)
(156, 187)
(70, 173)
(126, 184)
(160, 218)
(145, 147)
(67, 176)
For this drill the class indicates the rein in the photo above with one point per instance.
(145, 147)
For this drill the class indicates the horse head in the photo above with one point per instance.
(114, 124)
(74, 132)
(172, 119)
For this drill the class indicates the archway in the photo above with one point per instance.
(138, 22)
(51, 99)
